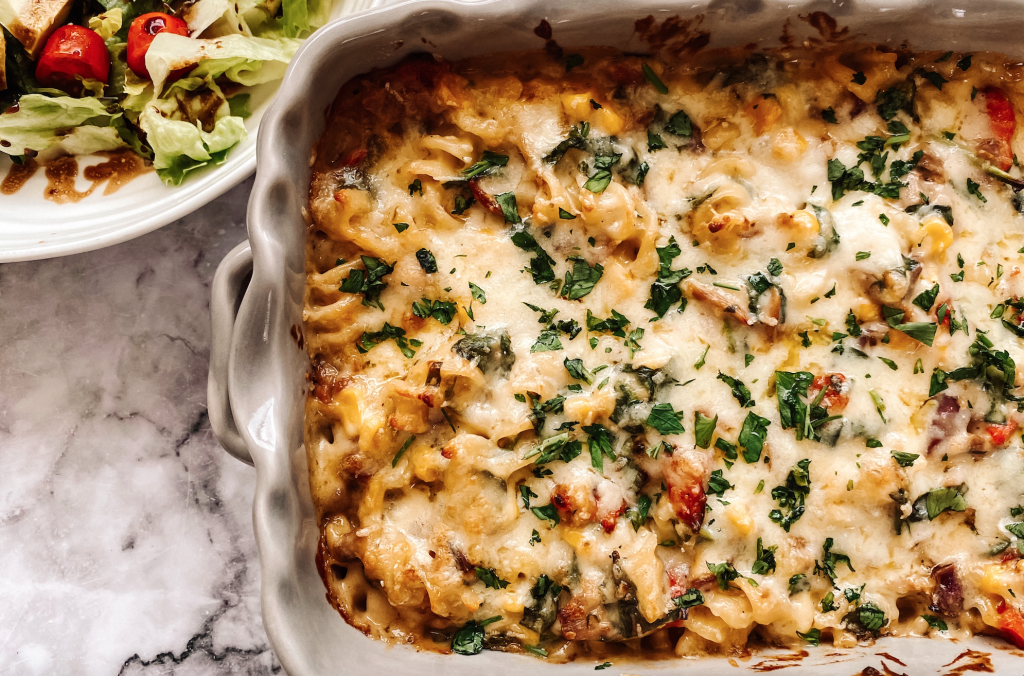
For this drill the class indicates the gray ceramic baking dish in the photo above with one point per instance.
(258, 365)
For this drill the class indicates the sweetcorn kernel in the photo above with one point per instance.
(740, 517)
(934, 234)
(803, 222)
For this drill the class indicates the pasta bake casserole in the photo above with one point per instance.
(669, 353)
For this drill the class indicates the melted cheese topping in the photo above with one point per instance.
(665, 349)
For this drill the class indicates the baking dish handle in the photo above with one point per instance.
(229, 285)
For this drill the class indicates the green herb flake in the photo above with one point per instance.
(904, 459)
(739, 389)
(829, 115)
(402, 450)
(812, 636)
(509, 208)
(488, 164)
(665, 419)
(974, 189)
(791, 495)
(653, 78)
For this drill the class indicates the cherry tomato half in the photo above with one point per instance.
(1000, 434)
(141, 33)
(1003, 122)
(70, 51)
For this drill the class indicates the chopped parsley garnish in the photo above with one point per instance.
(427, 261)
(863, 255)
(441, 310)
(545, 315)
(904, 459)
(478, 293)
(920, 331)
(724, 573)
(526, 493)
(469, 640)
(654, 142)
(665, 291)
(637, 514)
(665, 419)
(869, 616)
(936, 79)
(547, 341)
(369, 282)
(581, 279)
(577, 139)
(739, 390)
(680, 124)
(830, 560)
(599, 442)
(973, 189)
(791, 496)
(935, 622)
(935, 502)
(891, 101)
(402, 450)
(488, 164)
(964, 63)
(752, 436)
(717, 484)
(689, 599)
(884, 219)
(799, 583)
(700, 360)
(790, 390)
(653, 78)
(578, 371)
(371, 339)
(765, 562)
(509, 208)
(873, 443)
(547, 513)
(890, 363)
(541, 265)
(565, 215)
(812, 636)
(926, 299)
(859, 78)
(775, 267)
(703, 429)
(416, 187)
(829, 115)
(602, 176)
(490, 578)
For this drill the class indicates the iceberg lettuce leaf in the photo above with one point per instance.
(247, 61)
(180, 146)
(79, 126)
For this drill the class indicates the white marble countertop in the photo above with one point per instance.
(126, 541)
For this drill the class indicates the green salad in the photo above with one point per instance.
(169, 81)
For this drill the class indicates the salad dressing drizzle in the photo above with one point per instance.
(17, 176)
(120, 168)
(60, 181)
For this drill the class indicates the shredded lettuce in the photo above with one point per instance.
(78, 126)
(180, 146)
(247, 61)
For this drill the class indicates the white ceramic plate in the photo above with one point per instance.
(32, 227)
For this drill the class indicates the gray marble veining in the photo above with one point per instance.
(126, 542)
